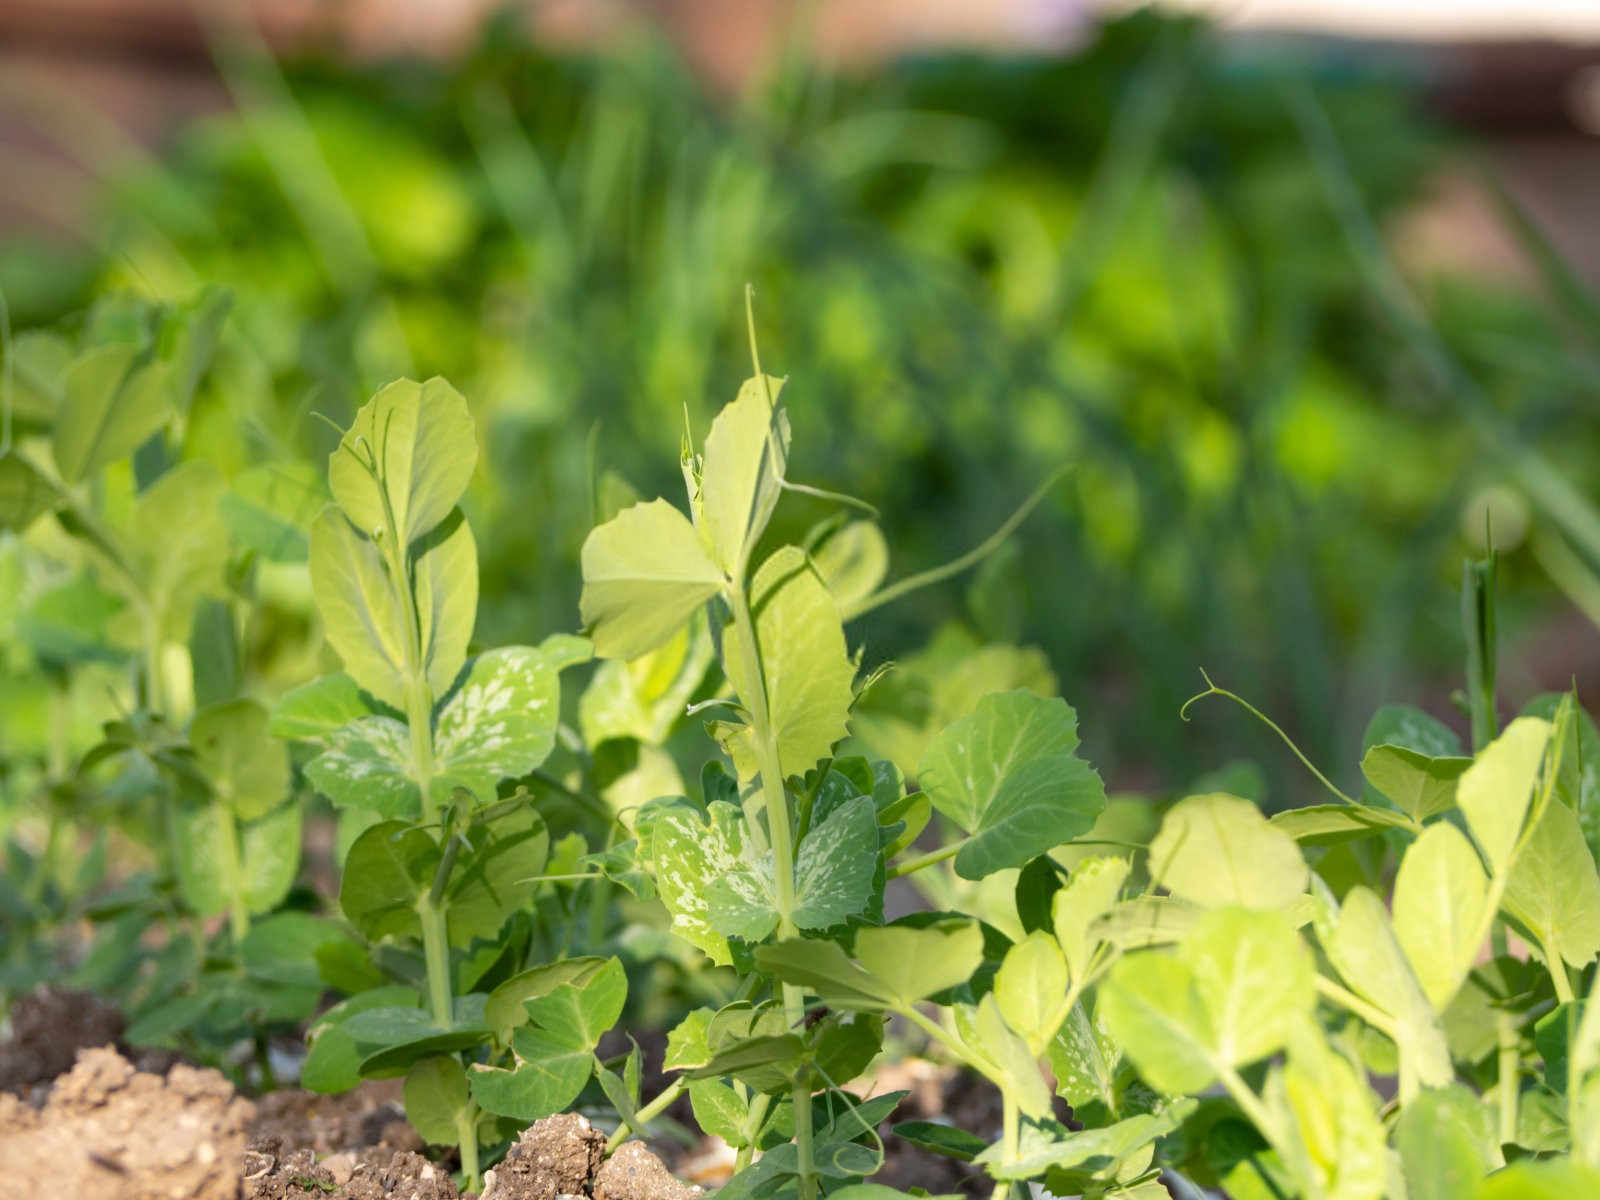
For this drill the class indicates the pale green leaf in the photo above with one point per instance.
(1496, 790)
(1446, 1142)
(1088, 895)
(361, 610)
(270, 508)
(1084, 1059)
(913, 963)
(1330, 824)
(644, 698)
(177, 544)
(1554, 889)
(1030, 988)
(408, 456)
(435, 1098)
(1219, 850)
(687, 855)
(109, 407)
(1439, 897)
(320, 708)
(645, 572)
(719, 1110)
(367, 766)
(1015, 1070)
(852, 562)
(746, 452)
(221, 859)
(444, 569)
(1337, 1146)
(26, 493)
(804, 665)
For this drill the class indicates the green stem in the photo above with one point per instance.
(648, 1113)
(1348, 1000)
(436, 953)
(912, 865)
(238, 909)
(1506, 1089)
(778, 830)
(40, 879)
(1250, 1104)
(752, 1130)
(1010, 1129)
(467, 1138)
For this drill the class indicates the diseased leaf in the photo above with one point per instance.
(835, 865)
(644, 573)
(361, 610)
(1007, 775)
(1219, 850)
(1084, 1059)
(499, 722)
(687, 855)
(368, 766)
(408, 456)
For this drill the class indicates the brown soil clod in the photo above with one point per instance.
(554, 1157)
(111, 1132)
(49, 1026)
(634, 1173)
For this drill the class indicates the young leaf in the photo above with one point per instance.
(1008, 776)
(444, 570)
(178, 545)
(1030, 987)
(1011, 1064)
(436, 1098)
(1554, 889)
(1439, 894)
(719, 1111)
(221, 860)
(915, 962)
(1496, 790)
(1219, 850)
(804, 665)
(498, 876)
(319, 709)
(746, 452)
(247, 768)
(644, 698)
(1238, 987)
(1089, 894)
(1337, 1141)
(644, 573)
(409, 454)
(361, 610)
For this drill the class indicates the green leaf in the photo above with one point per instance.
(1012, 1066)
(1446, 1143)
(1439, 896)
(1219, 850)
(368, 766)
(257, 868)
(1330, 824)
(578, 1013)
(1364, 949)
(1008, 776)
(719, 1110)
(247, 767)
(1236, 989)
(214, 653)
(1558, 1180)
(109, 407)
(852, 562)
(361, 610)
(911, 963)
(804, 665)
(1088, 895)
(498, 876)
(1554, 889)
(644, 698)
(319, 709)
(387, 868)
(948, 1140)
(1419, 786)
(504, 1009)
(26, 493)
(270, 508)
(644, 573)
(1336, 1140)
(687, 1044)
(436, 1098)
(499, 723)
(419, 437)
(825, 969)
(1496, 790)
(38, 367)
(178, 545)
(835, 865)
(445, 569)
(1030, 987)
(333, 1064)
(746, 452)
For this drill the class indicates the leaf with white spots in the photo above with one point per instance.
(367, 765)
(500, 722)
(688, 853)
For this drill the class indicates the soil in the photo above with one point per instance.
(633, 1173)
(111, 1132)
(557, 1156)
(48, 1028)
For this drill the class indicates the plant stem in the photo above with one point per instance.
(752, 1129)
(467, 1138)
(238, 910)
(1010, 1128)
(1250, 1104)
(1506, 1089)
(436, 953)
(778, 829)
(647, 1114)
(912, 865)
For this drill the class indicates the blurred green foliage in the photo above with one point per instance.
(1127, 260)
